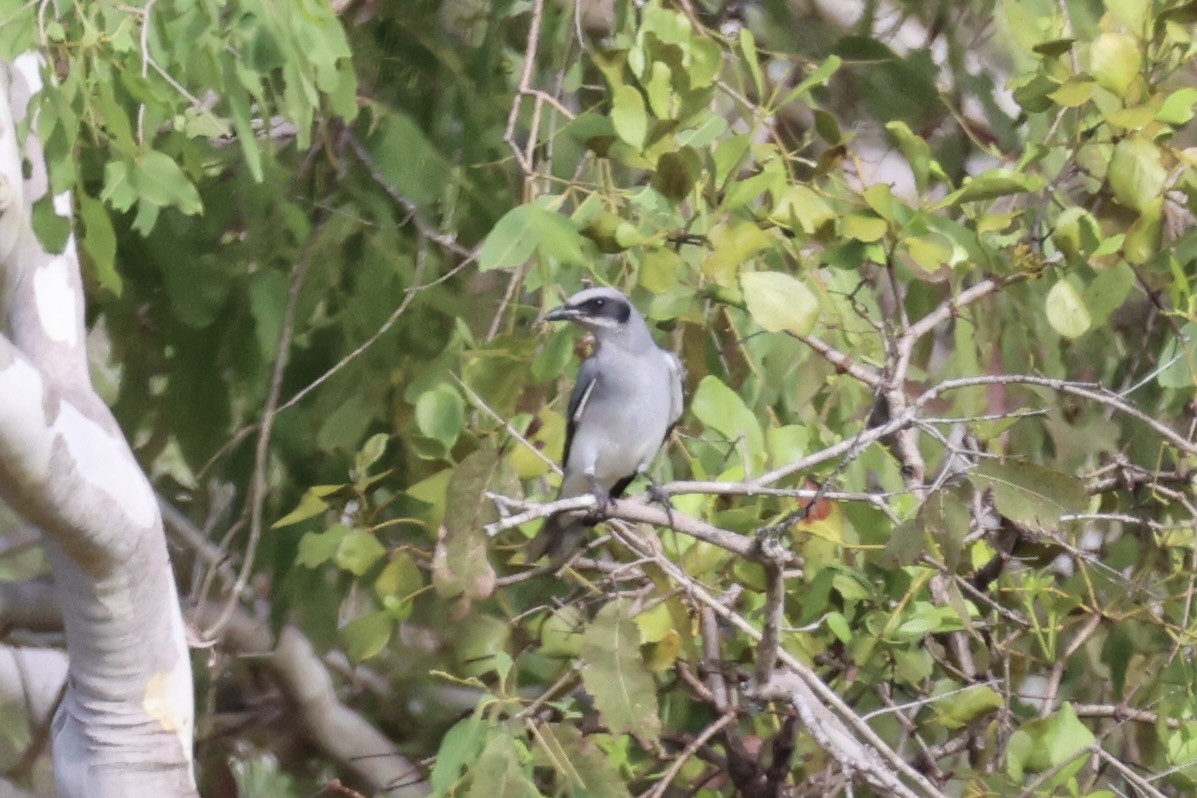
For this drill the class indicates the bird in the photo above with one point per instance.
(627, 398)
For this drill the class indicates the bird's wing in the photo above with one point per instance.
(677, 375)
(588, 377)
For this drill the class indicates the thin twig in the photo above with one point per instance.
(258, 486)
(676, 766)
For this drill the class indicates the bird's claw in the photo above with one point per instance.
(602, 499)
(657, 495)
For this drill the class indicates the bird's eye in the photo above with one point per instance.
(598, 303)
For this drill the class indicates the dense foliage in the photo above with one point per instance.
(930, 267)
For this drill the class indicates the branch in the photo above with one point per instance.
(847, 737)
(524, 87)
(625, 510)
(340, 732)
(258, 487)
(1083, 390)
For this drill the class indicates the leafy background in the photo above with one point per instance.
(929, 266)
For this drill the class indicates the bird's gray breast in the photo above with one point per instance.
(625, 418)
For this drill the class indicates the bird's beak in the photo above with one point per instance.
(561, 313)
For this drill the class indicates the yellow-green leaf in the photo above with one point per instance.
(1066, 311)
(1115, 61)
(366, 636)
(1136, 173)
(629, 116)
(779, 302)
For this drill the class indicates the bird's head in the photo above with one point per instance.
(603, 311)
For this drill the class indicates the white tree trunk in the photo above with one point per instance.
(124, 727)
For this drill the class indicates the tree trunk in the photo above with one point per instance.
(124, 726)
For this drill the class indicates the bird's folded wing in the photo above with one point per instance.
(676, 377)
(588, 377)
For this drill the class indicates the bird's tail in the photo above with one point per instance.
(560, 537)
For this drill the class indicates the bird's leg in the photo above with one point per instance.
(656, 494)
(602, 497)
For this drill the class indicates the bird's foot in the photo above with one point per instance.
(657, 495)
(602, 499)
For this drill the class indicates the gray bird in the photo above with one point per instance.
(627, 398)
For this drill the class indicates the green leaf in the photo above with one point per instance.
(625, 694)
(267, 304)
(1053, 48)
(818, 76)
(658, 87)
(358, 551)
(460, 567)
(1108, 291)
(1076, 233)
(1058, 741)
(660, 270)
(344, 427)
(992, 184)
(1136, 173)
(559, 237)
(459, 747)
(159, 181)
(1066, 310)
(1134, 14)
(371, 452)
(440, 414)
(721, 409)
(366, 636)
(1177, 108)
(408, 160)
(787, 443)
(400, 578)
(931, 251)
(779, 302)
(905, 544)
(629, 116)
(801, 210)
(706, 59)
(311, 504)
(838, 625)
(511, 241)
(960, 707)
(99, 242)
(582, 766)
(499, 772)
(864, 227)
(734, 243)
(53, 231)
(916, 151)
(482, 645)
(945, 518)
(317, 548)
(1115, 61)
(1142, 242)
(1183, 348)
(1028, 493)
(752, 60)
(561, 632)
(522, 230)
(238, 98)
(1074, 93)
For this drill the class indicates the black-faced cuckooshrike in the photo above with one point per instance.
(627, 398)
